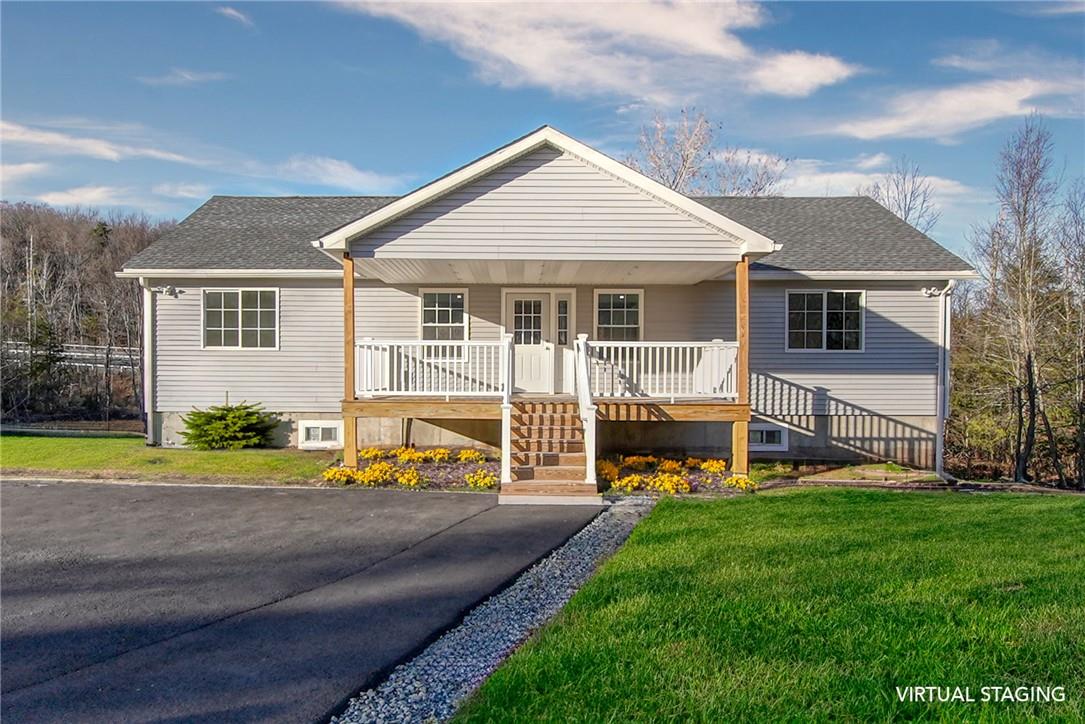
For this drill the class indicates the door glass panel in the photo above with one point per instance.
(563, 322)
(527, 321)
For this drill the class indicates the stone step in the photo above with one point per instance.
(547, 446)
(549, 458)
(550, 487)
(547, 432)
(549, 472)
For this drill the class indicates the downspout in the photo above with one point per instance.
(148, 361)
(945, 321)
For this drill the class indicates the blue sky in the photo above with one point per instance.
(156, 106)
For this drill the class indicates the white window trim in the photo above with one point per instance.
(595, 311)
(824, 321)
(238, 347)
(423, 291)
(761, 447)
(320, 445)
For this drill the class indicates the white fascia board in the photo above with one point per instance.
(751, 241)
(231, 273)
(851, 274)
(782, 275)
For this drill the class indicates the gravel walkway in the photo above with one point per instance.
(431, 686)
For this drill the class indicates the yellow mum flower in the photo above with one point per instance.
(468, 455)
(481, 479)
(607, 470)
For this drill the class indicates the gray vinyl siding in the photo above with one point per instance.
(546, 205)
(384, 311)
(305, 373)
(896, 374)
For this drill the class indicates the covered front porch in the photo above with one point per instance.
(542, 375)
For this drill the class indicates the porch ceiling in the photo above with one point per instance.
(541, 273)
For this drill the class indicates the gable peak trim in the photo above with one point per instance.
(750, 240)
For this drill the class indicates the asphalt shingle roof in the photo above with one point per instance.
(255, 232)
(835, 233)
(851, 233)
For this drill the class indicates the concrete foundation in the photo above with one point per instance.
(908, 440)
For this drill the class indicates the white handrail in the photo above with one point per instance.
(506, 410)
(439, 368)
(663, 370)
(587, 407)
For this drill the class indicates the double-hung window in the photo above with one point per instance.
(618, 315)
(444, 319)
(241, 318)
(825, 320)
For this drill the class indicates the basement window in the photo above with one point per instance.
(766, 437)
(320, 434)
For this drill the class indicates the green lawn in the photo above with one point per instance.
(130, 457)
(814, 605)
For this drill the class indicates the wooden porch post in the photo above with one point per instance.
(740, 429)
(350, 422)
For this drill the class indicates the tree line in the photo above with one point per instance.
(57, 286)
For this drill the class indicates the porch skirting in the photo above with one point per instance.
(907, 439)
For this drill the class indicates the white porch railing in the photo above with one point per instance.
(663, 370)
(586, 406)
(445, 369)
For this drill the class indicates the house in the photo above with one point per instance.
(551, 302)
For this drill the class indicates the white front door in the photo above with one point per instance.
(528, 319)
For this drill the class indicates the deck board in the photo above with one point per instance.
(489, 408)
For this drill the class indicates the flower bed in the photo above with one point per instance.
(639, 474)
(410, 468)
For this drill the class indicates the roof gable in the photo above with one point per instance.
(750, 240)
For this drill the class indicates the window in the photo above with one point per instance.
(563, 322)
(617, 316)
(241, 318)
(320, 434)
(825, 321)
(765, 437)
(444, 315)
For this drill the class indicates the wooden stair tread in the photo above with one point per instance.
(549, 487)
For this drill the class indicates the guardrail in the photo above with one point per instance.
(81, 355)
(663, 370)
(424, 368)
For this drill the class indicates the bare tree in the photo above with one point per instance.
(1015, 256)
(685, 155)
(1071, 236)
(906, 192)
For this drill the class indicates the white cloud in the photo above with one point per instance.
(182, 190)
(181, 76)
(311, 170)
(1007, 83)
(86, 196)
(57, 142)
(798, 73)
(236, 15)
(1043, 9)
(943, 113)
(326, 171)
(14, 171)
(663, 53)
(873, 160)
(816, 177)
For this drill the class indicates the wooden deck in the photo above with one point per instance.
(489, 408)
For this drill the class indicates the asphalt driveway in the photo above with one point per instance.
(178, 603)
